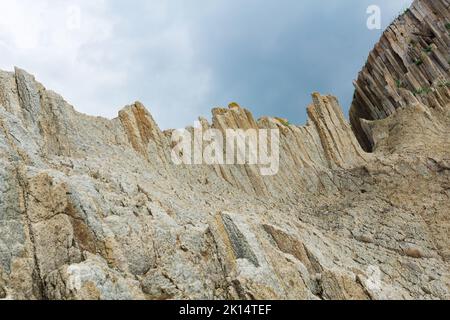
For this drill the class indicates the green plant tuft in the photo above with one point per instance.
(422, 91)
(418, 62)
(284, 122)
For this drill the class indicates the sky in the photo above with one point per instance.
(182, 58)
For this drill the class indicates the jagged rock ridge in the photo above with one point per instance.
(92, 208)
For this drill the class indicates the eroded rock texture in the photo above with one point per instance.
(92, 208)
(409, 66)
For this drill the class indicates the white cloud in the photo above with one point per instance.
(100, 59)
(42, 37)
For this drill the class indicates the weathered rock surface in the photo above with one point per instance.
(92, 208)
(409, 66)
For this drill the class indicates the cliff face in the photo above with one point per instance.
(409, 66)
(92, 208)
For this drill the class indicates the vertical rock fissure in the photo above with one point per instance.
(37, 275)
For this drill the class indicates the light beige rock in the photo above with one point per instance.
(92, 208)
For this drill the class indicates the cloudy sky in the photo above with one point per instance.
(181, 58)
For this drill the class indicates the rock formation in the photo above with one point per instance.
(409, 66)
(92, 208)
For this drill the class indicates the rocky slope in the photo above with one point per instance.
(92, 208)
